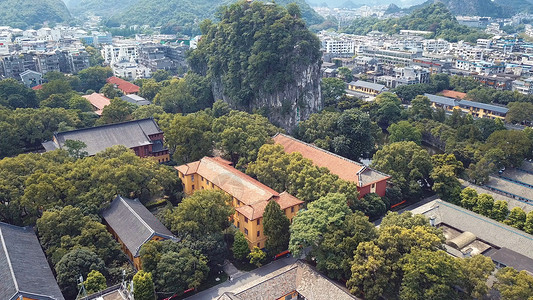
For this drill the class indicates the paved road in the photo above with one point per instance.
(228, 286)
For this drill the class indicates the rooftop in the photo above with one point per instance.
(123, 85)
(135, 99)
(252, 193)
(441, 100)
(24, 270)
(370, 85)
(485, 106)
(129, 134)
(133, 223)
(99, 101)
(453, 94)
(485, 229)
(346, 169)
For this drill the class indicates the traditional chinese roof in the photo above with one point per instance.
(24, 270)
(99, 101)
(133, 223)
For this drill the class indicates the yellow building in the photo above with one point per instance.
(367, 87)
(249, 196)
(133, 225)
(476, 109)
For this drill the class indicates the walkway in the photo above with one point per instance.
(228, 286)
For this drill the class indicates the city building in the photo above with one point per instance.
(144, 137)
(293, 282)
(367, 179)
(476, 109)
(523, 86)
(368, 88)
(135, 99)
(125, 86)
(24, 271)
(468, 234)
(133, 225)
(249, 196)
(98, 101)
(31, 78)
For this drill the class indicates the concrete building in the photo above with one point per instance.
(476, 109)
(368, 88)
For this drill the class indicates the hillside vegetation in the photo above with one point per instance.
(435, 18)
(26, 13)
(98, 7)
(185, 15)
(484, 8)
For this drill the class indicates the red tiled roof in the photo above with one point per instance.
(453, 94)
(253, 194)
(123, 85)
(37, 87)
(346, 169)
(99, 101)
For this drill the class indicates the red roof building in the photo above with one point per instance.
(37, 87)
(367, 179)
(453, 94)
(125, 86)
(98, 101)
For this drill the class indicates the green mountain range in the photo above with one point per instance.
(185, 15)
(26, 13)
(103, 8)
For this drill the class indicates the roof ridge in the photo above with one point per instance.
(136, 214)
(248, 178)
(108, 125)
(9, 260)
(323, 150)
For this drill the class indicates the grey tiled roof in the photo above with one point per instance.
(500, 109)
(484, 228)
(23, 266)
(370, 85)
(133, 223)
(135, 99)
(441, 100)
(129, 134)
(513, 259)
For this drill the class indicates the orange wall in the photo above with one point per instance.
(248, 227)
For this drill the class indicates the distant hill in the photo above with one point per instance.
(516, 5)
(392, 8)
(483, 8)
(98, 7)
(185, 15)
(26, 13)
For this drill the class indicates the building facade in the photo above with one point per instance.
(249, 197)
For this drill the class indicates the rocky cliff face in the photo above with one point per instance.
(289, 104)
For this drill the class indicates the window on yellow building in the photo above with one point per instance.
(207, 182)
(258, 245)
(201, 178)
(258, 233)
(292, 209)
(245, 220)
(193, 186)
(192, 177)
(245, 231)
(238, 224)
(258, 222)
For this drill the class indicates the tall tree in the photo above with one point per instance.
(95, 282)
(77, 262)
(404, 131)
(240, 246)
(143, 286)
(276, 228)
(516, 218)
(514, 285)
(117, 111)
(420, 108)
(257, 256)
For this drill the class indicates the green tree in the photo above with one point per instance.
(179, 271)
(149, 89)
(240, 246)
(407, 163)
(143, 286)
(147, 111)
(528, 227)
(186, 95)
(161, 75)
(94, 78)
(515, 145)
(332, 90)
(78, 102)
(500, 210)
(484, 205)
(373, 206)
(475, 272)
(404, 131)
(516, 218)
(334, 254)
(514, 285)
(95, 57)
(389, 110)
(309, 225)
(204, 212)
(117, 111)
(77, 262)
(420, 108)
(14, 94)
(257, 256)
(95, 282)
(110, 91)
(276, 228)
(55, 101)
(519, 112)
(429, 275)
(59, 86)
(345, 74)
(75, 148)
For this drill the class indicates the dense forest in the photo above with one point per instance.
(98, 7)
(27, 13)
(435, 18)
(185, 15)
(483, 8)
